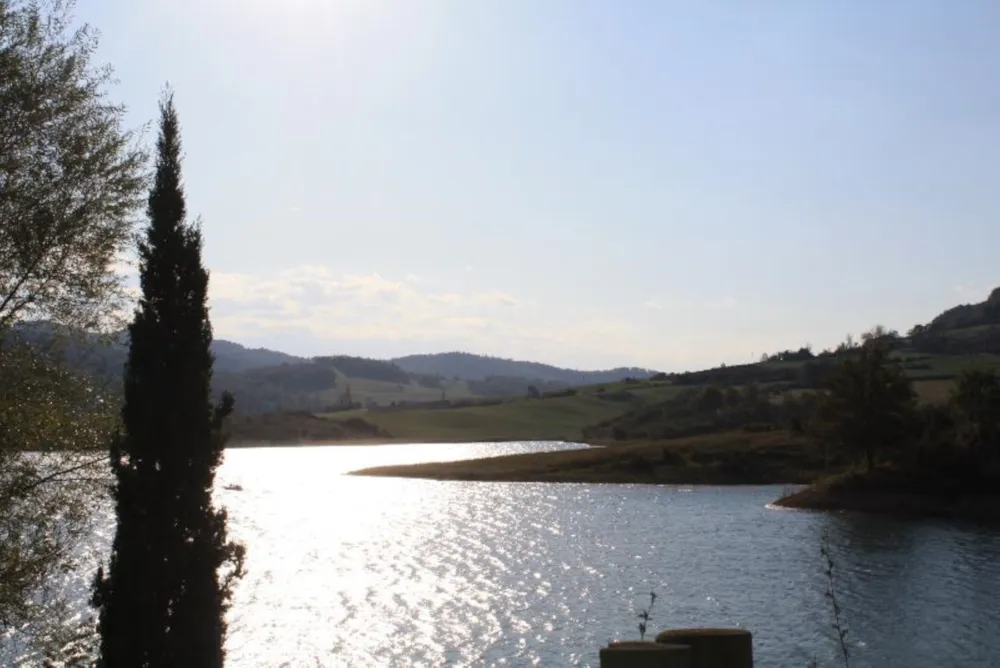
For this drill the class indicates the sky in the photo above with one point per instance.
(668, 184)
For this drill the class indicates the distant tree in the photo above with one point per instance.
(814, 374)
(361, 367)
(881, 333)
(870, 403)
(71, 177)
(751, 395)
(733, 397)
(164, 597)
(711, 399)
(976, 403)
(848, 344)
(533, 392)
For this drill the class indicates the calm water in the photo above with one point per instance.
(368, 572)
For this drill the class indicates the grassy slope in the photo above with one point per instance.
(951, 366)
(720, 458)
(560, 418)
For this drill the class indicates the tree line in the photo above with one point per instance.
(871, 409)
(859, 406)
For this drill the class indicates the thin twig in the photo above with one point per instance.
(831, 595)
(52, 476)
(644, 616)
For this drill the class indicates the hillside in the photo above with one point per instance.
(466, 366)
(264, 380)
(963, 329)
(772, 395)
(231, 356)
(461, 396)
(108, 356)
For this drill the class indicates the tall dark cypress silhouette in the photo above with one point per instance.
(163, 599)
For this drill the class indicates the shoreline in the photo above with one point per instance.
(883, 496)
(729, 458)
(388, 440)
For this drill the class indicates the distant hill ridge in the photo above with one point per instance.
(235, 357)
(969, 315)
(468, 366)
(264, 380)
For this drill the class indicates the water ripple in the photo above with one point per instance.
(374, 572)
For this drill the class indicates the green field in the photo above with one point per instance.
(940, 366)
(564, 417)
(560, 418)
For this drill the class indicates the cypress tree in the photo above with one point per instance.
(164, 597)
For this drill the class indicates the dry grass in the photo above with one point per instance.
(736, 457)
(933, 391)
(273, 428)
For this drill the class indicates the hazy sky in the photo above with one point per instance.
(582, 182)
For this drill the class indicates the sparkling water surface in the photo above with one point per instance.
(370, 572)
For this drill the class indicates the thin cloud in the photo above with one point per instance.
(501, 298)
(313, 300)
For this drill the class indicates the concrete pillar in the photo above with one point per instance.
(713, 648)
(637, 654)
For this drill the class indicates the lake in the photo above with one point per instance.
(354, 571)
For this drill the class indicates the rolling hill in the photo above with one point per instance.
(264, 380)
(467, 366)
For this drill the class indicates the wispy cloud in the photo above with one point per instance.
(500, 298)
(654, 304)
(352, 306)
(314, 302)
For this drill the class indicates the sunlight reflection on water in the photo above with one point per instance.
(369, 572)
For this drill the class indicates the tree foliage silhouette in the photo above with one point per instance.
(172, 567)
(870, 404)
